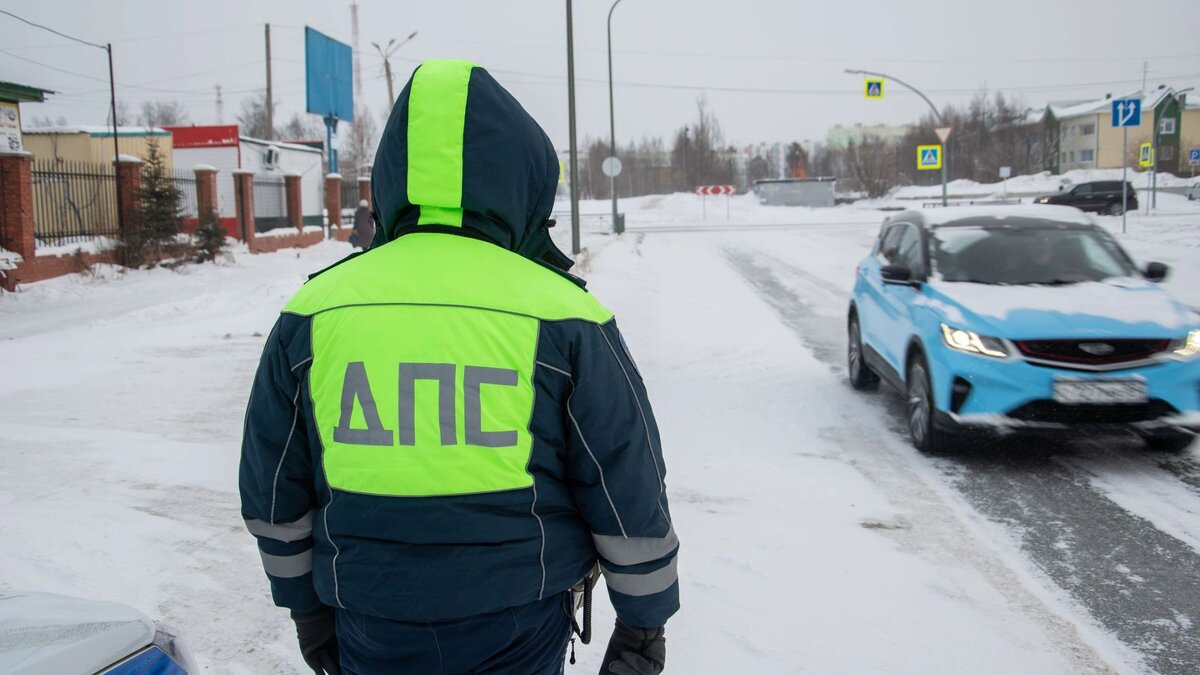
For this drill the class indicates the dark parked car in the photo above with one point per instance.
(1101, 196)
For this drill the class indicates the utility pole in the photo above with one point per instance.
(387, 70)
(571, 119)
(385, 53)
(270, 100)
(112, 90)
(354, 41)
(220, 107)
(612, 125)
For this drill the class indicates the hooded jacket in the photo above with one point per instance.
(448, 425)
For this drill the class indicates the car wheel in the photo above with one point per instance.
(925, 435)
(1115, 209)
(1177, 442)
(861, 375)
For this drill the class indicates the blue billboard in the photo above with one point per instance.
(328, 66)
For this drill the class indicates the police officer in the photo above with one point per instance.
(447, 432)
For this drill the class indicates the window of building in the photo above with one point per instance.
(1088, 129)
(1072, 156)
(1087, 155)
(1166, 152)
(1064, 156)
(1167, 126)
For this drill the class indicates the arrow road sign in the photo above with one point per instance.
(716, 190)
(929, 157)
(1127, 112)
(874, 89)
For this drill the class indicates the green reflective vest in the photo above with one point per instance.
(422, 380)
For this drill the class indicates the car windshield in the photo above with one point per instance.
(1027, 255)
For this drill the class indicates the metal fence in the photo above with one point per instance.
(185, 182)
(270, 203)
(349, 195)
(73, 201)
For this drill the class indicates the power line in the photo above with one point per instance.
(47, 28)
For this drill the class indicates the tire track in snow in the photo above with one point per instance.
(1140, 584)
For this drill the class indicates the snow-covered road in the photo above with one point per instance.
(815, 539)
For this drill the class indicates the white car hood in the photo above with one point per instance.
(46, 633)
(1122, 306)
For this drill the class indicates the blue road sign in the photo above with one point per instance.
(328, 76)
(1194, 156)
(929, 157)
(1127, 112)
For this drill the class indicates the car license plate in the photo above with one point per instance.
(1100, 391)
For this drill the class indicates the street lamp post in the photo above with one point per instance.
(386, 53)
(612, 125)
(937, 114)
(574, 155)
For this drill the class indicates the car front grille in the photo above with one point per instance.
(1098, 352)
(1046, 411)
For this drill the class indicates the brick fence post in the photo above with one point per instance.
(243, 191)
(16, 203)
(295, 207)
(129, 182)
(333, 200)
(364, 190)
(206, 192)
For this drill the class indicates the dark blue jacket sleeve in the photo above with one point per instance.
(276, 477)
(618, 478)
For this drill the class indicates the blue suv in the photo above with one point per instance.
(1022, 320)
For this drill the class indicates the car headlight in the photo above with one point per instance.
(1189, 346)
(973, 343)
(1044, 200)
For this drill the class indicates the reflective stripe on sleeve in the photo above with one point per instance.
(287, 566)
(634, 550)
(642, 584)
(301, 528)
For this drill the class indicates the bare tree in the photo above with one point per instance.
(253, 118)
(698, 150)
(124, 116)
(43, 121)
(358, 146)
(301, 128)
(162, 113)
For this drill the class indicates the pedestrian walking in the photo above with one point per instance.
(364, 226)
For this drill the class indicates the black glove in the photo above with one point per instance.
(635, 651)
(318, 640)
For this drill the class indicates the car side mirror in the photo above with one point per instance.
(896, 274)
(1156, 271)
(1060, 188)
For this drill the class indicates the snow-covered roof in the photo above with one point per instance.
(97, 130)
(1104, 105)
(1060, 214)
(279, 144)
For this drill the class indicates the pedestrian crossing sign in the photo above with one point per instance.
(929, 157)
(1146, 155)
(874, 89)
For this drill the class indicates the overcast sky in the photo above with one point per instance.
(772, 70)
